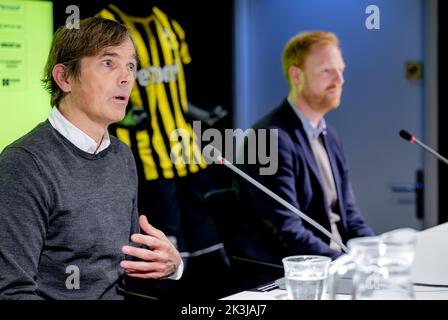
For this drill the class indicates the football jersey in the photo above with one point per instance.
(164, 143)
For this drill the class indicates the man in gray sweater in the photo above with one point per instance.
(69, 226)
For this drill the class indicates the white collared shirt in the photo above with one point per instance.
(323, 162)
(82, 141)
(311, 130)
(75, 135)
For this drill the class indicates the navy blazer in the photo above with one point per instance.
(267, 230)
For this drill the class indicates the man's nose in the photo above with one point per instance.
(126, 77)
(339, 78)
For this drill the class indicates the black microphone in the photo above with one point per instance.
(214, 154)
(409, 137)
(406, 135)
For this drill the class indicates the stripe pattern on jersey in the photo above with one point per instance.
(166, 147)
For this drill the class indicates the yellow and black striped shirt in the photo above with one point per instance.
(160, 92)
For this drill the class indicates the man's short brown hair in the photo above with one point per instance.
(69, 46)
(299, 46)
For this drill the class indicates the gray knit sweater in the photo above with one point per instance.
(63, 210)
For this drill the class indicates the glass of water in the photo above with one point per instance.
(305, 276)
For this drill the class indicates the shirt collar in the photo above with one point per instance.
(75, 135)
(311, 131)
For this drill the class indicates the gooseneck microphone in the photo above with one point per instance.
(409, 137)
(215, 155)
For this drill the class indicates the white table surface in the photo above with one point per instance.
(430, 267)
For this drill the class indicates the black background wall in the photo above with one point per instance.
(209, 28)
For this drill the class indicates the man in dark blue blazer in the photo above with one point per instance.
(313, 173)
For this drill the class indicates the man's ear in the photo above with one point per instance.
(294, 74)
(59, 76)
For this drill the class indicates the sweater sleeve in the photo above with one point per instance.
(24, 215)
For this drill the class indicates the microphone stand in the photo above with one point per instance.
(219, 159)
(409, 137)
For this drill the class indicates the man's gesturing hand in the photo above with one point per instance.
(160, 262)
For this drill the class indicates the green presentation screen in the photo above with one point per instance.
(26, 29)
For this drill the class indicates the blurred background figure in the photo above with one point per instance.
(313, 171)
